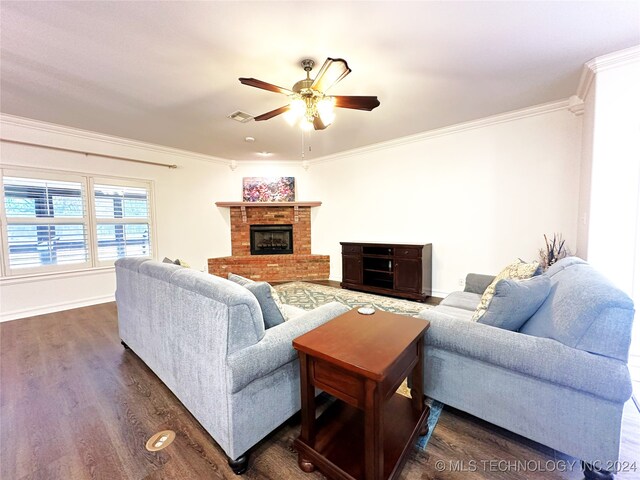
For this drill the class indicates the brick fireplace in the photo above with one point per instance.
(300, 265)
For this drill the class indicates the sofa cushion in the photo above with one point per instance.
(240, 280)
(270, 311)
(584, 310)
(515, 301)
(452, 312)
(291, 311)
(464, 300)
(517, 270)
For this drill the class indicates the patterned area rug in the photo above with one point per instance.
(309, 296)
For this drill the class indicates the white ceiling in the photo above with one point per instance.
(167, 72)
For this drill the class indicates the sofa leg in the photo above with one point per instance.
(592, 473)
(126, 347)
(239, 465)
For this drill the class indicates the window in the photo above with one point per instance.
(50, 223)
(122, 217)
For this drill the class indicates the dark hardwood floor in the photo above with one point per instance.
(75, 405)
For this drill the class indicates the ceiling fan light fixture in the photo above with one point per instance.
(306, 125)
(298, 106)
(324, 107)
(309, 106)
(297, 109)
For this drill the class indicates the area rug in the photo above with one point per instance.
(309, 296)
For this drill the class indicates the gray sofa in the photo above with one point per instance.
(205, 338)
(561, 380)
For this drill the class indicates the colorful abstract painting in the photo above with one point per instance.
(268, 189)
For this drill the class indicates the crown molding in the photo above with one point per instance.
(576, 105)
(603, 63)
(7, 119)
(266, 163)
(586, 80)
(145, 150)
(450, 130)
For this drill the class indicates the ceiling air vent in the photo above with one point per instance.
(242, 117)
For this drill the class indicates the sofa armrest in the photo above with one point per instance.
(276, 349)
(477, 282)
(538, 357)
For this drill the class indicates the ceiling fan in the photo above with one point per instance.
(309, 103)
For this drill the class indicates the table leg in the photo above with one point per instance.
(373, 434)
(308, 411)
(417, 384)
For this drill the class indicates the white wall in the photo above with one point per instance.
(615, 179)
(188, 225)
(482, 196)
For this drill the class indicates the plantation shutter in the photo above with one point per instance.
(46, 223)
(123, 221)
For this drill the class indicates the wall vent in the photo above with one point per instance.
(242, 117)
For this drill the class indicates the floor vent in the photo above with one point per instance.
(242, 117)
(160, 440)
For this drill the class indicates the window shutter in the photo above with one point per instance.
(46, 223)
(123, 221)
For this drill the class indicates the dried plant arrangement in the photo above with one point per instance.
(554, 250)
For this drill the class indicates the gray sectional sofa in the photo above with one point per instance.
(561, 380)
(205, 338)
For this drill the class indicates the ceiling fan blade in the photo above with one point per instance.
(252, 82)
(333, 70)
(356, 103)
(271, 114)
(318, 125)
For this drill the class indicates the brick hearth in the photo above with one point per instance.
(301, 265)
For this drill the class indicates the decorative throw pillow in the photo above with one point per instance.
(270, 312)
(517, 270)
(240, 280)
(177, 261)
(515, 301)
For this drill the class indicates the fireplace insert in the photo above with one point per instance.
(271, 239)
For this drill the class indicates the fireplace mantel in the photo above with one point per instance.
(268, 204)
(244, 205)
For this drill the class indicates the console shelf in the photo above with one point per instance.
(400, 270)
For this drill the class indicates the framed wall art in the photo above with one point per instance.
(268, 189)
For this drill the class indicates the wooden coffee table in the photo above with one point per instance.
(361, 360)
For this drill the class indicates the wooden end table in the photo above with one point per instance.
(361, 360)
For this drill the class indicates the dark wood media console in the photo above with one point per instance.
(400, 270)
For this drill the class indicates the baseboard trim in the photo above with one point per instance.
(54, 307)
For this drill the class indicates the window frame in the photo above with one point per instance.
(89, 220)
(99, 180)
